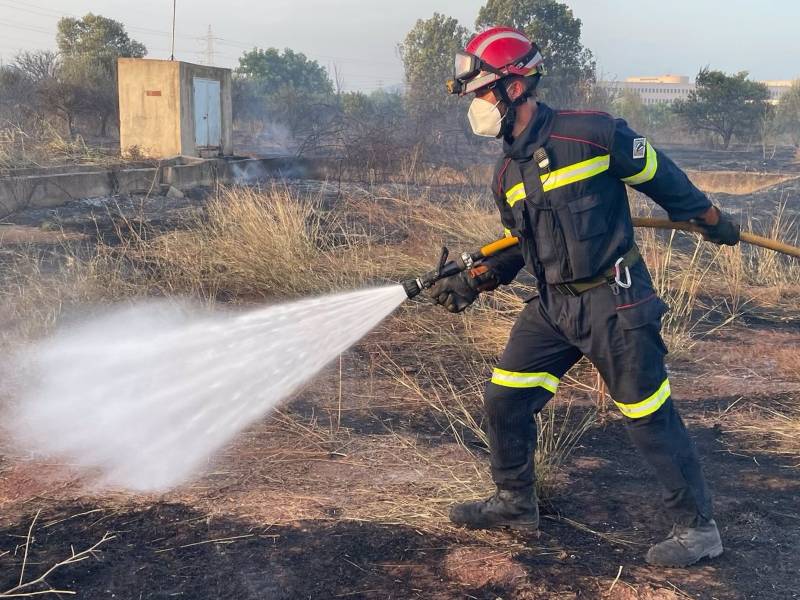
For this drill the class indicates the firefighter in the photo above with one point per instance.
(561, 189)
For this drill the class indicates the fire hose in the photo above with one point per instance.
(466, 260)
(745, 236)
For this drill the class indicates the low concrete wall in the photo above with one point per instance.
(131, 181)
(42, 191)
(91, 168)
(46, 190)
(204, 173)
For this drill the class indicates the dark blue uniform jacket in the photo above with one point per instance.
(573, 218)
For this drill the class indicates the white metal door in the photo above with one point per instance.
(207, 113)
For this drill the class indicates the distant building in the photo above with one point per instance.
(654, 90)
(777, 88)
(665, 89)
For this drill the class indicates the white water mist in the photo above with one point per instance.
(145, 394)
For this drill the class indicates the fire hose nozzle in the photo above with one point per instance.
(412, 287)
(447, 268)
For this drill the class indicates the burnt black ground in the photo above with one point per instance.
(153, 557)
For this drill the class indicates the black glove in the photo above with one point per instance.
(457, 292)
(725, 231)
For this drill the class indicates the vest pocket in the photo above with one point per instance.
(588, 216)
(584, 224)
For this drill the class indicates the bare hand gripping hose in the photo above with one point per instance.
(467, 259)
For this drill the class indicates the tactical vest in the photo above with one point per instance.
(572, 217)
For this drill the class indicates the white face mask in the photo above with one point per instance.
(485, 118)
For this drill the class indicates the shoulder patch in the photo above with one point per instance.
(639, 147)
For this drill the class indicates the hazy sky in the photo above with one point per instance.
(628, 37)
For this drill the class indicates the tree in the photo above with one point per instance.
(98, 82)
(63, 98)
(661, 120)
(724, 105)
(630, 107)
(37, 83)
(284, 87)
(37, 66)
(272, 70)
(788, 117)
(19, 82)
(427, 53)
(15, 92)
(98, 37)
(768, 130)
(569, 67)
(89, 50)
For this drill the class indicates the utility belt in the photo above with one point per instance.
(618, 276)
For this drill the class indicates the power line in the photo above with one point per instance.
(246, 46)
(209, 54)
(25, 27)
(41, 10)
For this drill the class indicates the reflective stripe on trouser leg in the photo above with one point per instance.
(663, 441)
(647, 406)
(515, 379)
(511, 432)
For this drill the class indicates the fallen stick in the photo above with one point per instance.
(21, 590)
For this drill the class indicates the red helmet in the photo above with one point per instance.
(492, 55)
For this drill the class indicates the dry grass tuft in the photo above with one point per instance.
(20, 149)
(763, 277)
(773, 429)
(680, 279)
(454, 392)
(38, 286)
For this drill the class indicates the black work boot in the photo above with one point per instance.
(517, 509)
(686, 545)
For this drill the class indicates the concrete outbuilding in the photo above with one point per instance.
(169, 108)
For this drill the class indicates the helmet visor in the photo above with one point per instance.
(466, 66)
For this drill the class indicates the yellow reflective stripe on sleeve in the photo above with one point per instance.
(525, 380)
(577, 172)
(515, 194)
(649, 171)
(507, 232)
(647, 406)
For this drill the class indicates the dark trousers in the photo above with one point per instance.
(621, 335)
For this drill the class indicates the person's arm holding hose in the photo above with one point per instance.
(653, 173)
(456, 293)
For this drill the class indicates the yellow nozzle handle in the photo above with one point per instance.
(498, 245)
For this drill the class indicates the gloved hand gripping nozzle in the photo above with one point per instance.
(447, 268)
